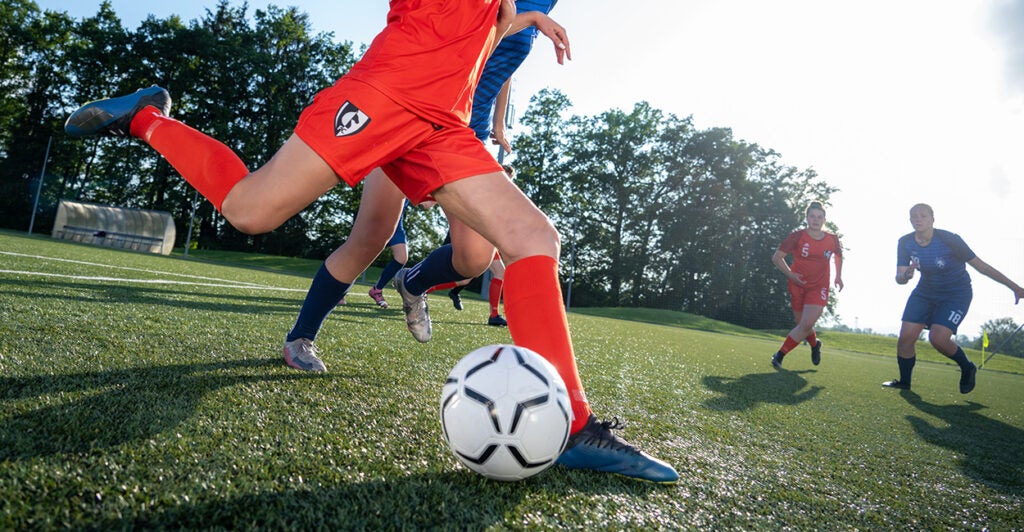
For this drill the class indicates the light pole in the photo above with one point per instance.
(39, 189)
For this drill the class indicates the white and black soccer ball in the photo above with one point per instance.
(505, 412)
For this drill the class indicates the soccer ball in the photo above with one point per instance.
(505, 412)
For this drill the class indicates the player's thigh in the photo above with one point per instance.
(293, 178)
(810, 315)
(495, 208)
(471, 252)
(497, 268)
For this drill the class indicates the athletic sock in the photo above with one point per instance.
(812, 338)
(457, 289)
(494, 296)
(961, 358)
(389, 272)
(788, 345)
(435, 269)
(906, 368)
(536, 321)
(206, 163)
(324, 294)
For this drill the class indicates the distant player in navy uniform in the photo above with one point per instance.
(942, 297)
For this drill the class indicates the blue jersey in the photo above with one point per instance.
(510, 53)
(942, 262)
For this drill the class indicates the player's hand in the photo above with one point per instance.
(498, 137)
(796, 278)
(1018, 294)
(839, 284)
(556, 33)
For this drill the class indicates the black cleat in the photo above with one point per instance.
(895, 383)
(112, 117)
(816, 353)
(777, 360)
(967, 378)
(497, 321)
(456, 300)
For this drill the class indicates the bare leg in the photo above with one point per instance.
(379, 211)
(293, 179)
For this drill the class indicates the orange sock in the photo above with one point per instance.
(207, 164)
(494, 296)
(788, 345)
(536, 321)
(442, 286)
(812, 338)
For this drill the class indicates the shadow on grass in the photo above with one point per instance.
(456, 500)
(989, 451)
(746, 392)
(101, 409)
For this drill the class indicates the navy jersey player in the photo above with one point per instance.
(942, 296)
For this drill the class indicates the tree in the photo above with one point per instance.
(1002, 335)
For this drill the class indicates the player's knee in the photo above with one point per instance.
(247, 221)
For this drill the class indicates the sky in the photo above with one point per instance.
(894, 103)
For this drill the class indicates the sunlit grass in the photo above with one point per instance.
(138, 404)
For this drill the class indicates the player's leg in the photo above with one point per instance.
(399, 256)
(942, 334)
(379, 210)
(530, 245)
(497, 269)
(253, 203)
(797, 296)
(906, 354)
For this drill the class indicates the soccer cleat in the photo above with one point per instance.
(378, 297)
(417, 314)
(596, 447)
(816, 353)
(497, 321)
(895, 383)
(112, 117)
(967, 378)
(777, 360)
(456, 300)
(301, 353)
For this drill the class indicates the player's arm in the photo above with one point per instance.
(985, 269)
(905, 273)
(498, 122)
(548, 27)
(839, 271)
(779, 260)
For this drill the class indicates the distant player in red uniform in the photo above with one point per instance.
(403, 108)
(812, 250)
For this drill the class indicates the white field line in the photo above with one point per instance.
(220, 283)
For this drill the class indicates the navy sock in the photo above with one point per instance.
(961, 358)
(906, 368)
(324, 294)
(435, 269)
(389, 272)
(457, 290)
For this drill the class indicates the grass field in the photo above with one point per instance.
(144, 391)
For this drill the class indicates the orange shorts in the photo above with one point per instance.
(807, 295)
(355, 129)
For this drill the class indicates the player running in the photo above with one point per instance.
(941, 298)
(404, 108)
(813, 250)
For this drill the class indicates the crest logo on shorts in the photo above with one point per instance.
(349, 120)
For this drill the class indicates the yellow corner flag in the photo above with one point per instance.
(984, 345)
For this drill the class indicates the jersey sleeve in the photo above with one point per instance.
(903, 250)
(956, 244)
(789, 245)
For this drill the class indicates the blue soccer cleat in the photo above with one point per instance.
(596, 447)
(113, 116)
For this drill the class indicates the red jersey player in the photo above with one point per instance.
(812, 250)
(403, 108)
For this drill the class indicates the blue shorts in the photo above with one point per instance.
(399, 236)
(947, 310)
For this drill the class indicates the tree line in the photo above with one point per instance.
(653, 211)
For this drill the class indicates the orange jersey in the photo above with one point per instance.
(429, 57)
(811, 257)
